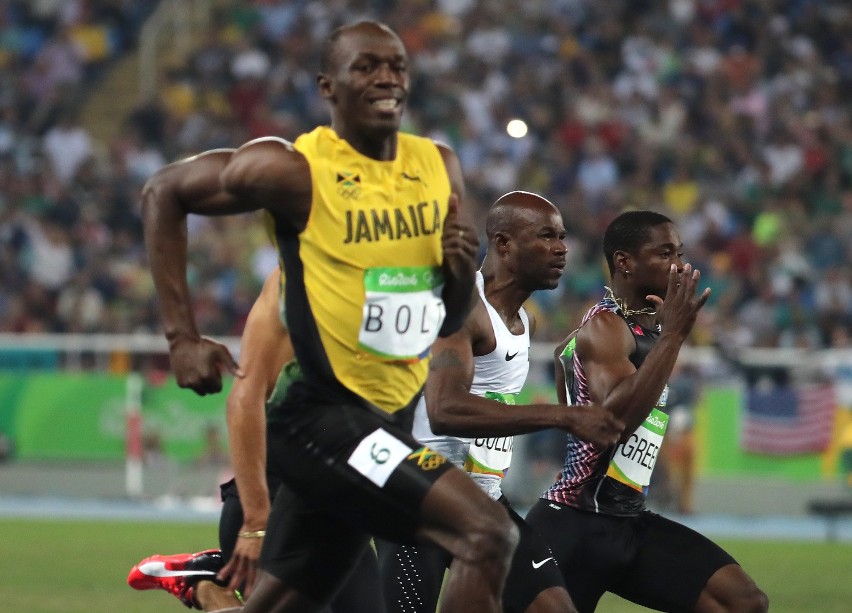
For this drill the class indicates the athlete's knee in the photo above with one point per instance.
(491, 536)
(746, 597)
(754, 600)
(733, 592)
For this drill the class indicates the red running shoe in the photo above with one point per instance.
(177, 574)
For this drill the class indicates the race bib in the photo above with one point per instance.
(634, 459)
(403, 311)
(491, 456)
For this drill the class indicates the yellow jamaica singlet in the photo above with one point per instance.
(363, 278)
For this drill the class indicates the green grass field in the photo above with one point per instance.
(81, 567)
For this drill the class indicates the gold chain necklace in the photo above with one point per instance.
(623, 306)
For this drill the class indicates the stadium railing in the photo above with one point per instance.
(132, 355)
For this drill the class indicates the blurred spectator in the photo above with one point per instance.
(680, 193)
(597, 174)
(215, 453)
(845, 443)
(784, 156)
(732, 117)
(153, 451)
(68, 146)
(674, 475)
(50, 259)
(79, 306)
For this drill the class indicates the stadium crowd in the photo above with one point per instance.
(730, 116)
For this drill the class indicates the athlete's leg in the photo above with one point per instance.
(358, 474)
(676, 568)
(307, 555)
(271, 596)
(359, 593)
(586, 548)
(461, 518)
(731, 590)
(551, 600)
(209, 595)
(534, 583)
(230, 518)
(411, 575)
(212, 597)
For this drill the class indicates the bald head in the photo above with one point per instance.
(526, 247)
(515, 209)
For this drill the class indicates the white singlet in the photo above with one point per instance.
(499, 375)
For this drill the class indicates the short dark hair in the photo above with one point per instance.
(628, 232)
(329, 45)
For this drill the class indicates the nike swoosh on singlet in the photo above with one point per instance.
(510, 357)
(538, 565)
(158, 569)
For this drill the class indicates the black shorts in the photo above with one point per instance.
(412, 574)
(361, 593)
(647, 559)
(534, 568)
(347, 473)
(231, 516)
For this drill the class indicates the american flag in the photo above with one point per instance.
(788, 419)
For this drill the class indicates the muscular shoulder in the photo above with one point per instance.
(270, 173)
(275, 140)
(605, 333)
(189, 170)
(271, 149)
(192, 181)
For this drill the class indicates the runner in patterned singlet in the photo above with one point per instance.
(613, 481)
(473, 382)
(380, 260)
(594, 516)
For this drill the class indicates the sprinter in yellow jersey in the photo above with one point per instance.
(265, 354)
(380, 260)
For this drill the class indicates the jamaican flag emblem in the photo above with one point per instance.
(349, 185)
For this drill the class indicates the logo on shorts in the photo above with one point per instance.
(537, 565)
(427, 459)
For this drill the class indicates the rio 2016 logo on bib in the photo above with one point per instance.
(403, 311)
